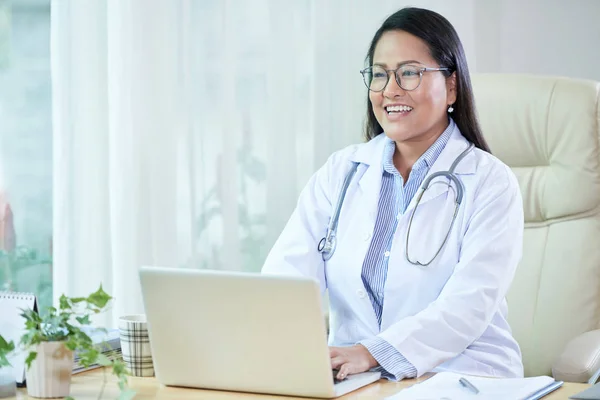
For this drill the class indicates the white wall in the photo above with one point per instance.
(512, 36)
(554, 37)
(538, 36)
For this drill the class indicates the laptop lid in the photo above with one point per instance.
(591, 393)
(237, 331)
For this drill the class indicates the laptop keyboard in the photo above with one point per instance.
(336, 380)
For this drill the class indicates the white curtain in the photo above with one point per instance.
(184, 130)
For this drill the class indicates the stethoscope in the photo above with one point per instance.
(327, 244)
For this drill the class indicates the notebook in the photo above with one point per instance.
(445, 385)
(12, 327)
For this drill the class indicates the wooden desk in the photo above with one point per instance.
(87, 385)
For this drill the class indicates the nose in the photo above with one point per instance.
(392, 89)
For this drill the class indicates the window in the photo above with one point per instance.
(25, 148)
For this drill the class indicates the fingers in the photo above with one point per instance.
(336, 362)
(345, 370)
(334, 351)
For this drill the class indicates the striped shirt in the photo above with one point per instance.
(394, 198)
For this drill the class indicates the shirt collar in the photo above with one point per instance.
(426, 160)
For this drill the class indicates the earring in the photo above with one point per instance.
(450, 109)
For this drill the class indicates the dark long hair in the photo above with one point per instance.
(447, 50)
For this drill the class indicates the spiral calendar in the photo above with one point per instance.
(12, 326)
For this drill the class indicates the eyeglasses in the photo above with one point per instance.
(408, 77)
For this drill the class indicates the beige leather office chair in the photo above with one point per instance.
(547, 130)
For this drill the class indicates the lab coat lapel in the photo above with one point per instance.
(369, 174)
(439, 186)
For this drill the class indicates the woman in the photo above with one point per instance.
(432, 298)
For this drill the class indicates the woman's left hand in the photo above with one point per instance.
(351, 360)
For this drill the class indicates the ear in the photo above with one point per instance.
(451, 89)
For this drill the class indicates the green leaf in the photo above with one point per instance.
(64, 303)
(119, 368)
(5, 349)
(85, 320)
(30, 357)
(71, 343)
(103, 360)
(76, 300)
(83, 337)
(99, 298)
(7, 346)
(31, 316)
(89, 357)
(32, 338)
(4, 361)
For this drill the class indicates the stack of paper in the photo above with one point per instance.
(446, 385)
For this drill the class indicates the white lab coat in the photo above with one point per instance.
(450, 315)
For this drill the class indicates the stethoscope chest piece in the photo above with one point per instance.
(327, 246)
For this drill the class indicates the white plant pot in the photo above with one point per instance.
(50, 373)
(8, 385)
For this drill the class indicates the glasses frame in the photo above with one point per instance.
(398, 79)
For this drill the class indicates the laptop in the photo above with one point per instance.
(242, 332)
(591, 393)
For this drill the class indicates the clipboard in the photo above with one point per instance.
(12, 327)
(448, 384)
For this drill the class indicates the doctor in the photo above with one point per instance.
(417, 279)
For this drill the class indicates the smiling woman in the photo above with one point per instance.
(416, 52)
(423, 98)
(432, 310)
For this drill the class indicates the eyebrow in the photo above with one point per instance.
(399, 64)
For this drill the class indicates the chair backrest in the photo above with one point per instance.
(547, 129)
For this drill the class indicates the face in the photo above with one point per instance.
(426, 116)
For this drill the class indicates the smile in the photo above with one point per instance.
(396, 109)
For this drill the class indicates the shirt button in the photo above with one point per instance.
(380, 294)
(398, 216)
(367, 236)
(361, 293)
(387, 254)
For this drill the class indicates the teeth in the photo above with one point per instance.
(398, 108)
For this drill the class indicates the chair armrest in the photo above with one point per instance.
(580, 360)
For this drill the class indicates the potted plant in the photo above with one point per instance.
(8, 385)
(52, 337)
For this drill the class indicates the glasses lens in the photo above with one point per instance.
(409, 77)
(375, 78)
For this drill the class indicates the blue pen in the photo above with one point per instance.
(468, 385)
